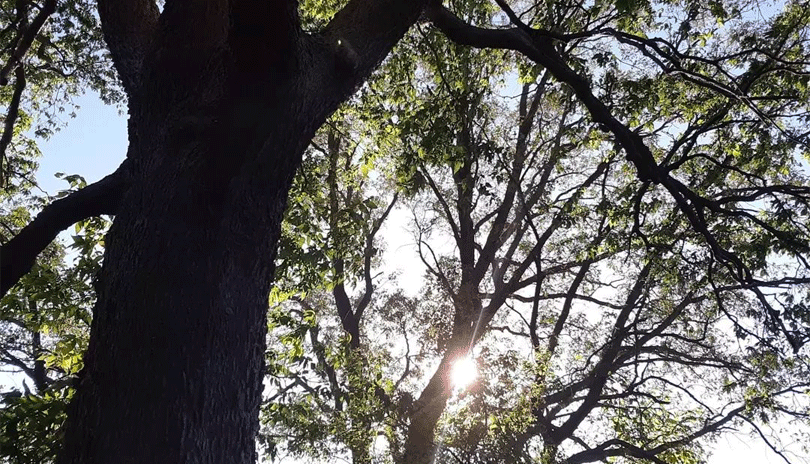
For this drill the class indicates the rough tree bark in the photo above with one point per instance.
(224, 95)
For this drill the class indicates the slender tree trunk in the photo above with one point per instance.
(421, 444)
(40, 376)
(361, 452)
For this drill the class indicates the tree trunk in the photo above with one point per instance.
(421, 445)
(174, 370)
(224, 96)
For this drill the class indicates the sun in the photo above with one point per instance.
(464, 372)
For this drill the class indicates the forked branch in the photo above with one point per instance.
(365, 31)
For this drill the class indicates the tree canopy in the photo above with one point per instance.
(609, 200)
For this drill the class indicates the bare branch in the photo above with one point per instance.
(599, 375)
(368, 254)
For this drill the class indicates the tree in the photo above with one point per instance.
(329, 240)
(619, 349)
(223, 101)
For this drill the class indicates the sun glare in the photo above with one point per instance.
(464, 372)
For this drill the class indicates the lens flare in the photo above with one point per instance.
(464, 372)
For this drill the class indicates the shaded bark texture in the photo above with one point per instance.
(224, 98)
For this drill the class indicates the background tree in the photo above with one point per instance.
(649, 332)
(329, 392)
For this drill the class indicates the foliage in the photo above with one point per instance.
(44, 325)
(67, 57)
(30, 426)
(602, 292)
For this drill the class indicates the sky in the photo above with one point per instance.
(94, 143)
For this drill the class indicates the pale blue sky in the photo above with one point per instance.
(94, 143)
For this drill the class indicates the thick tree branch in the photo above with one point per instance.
(17, 256)
(542, 52)
(128, 27)
(263, 33)
(343, 304)
(365, 31)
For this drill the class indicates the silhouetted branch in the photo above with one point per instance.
(17, 256)
(11, 119)
(26, 39)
